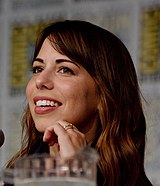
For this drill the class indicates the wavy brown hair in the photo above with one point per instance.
(121, 141)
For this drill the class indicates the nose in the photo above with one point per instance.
(44, 80)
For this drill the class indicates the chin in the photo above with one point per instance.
(40, 129)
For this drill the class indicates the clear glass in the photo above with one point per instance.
(43, 170)
(56, 182)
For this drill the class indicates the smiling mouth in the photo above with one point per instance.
(46, 103)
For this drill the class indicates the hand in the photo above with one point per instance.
(68, 137)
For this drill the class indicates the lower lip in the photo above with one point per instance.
(43, 110)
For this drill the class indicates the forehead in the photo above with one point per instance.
(75, 53)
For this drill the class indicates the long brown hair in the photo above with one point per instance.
(121, 143)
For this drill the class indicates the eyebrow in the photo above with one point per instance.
(67, 60)
(39, 60)
(57, 61)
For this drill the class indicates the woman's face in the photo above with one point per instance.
(61, 89)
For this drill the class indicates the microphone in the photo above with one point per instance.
(1, 137)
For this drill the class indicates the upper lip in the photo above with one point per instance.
(37, 98)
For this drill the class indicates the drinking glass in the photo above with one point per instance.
(43, 170)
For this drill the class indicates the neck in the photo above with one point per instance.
(91, 130)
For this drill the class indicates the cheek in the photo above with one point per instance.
(73, 93)
(67, 89)
(82, 95)
(28, 89)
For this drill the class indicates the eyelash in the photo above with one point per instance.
(66, 70)
(62, 70)
(36, 69)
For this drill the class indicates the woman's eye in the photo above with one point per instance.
(36, 69)
(65, 70)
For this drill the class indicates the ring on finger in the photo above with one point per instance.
(68, 126)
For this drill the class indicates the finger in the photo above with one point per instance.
(71, 140)
(67, 126)
(49, 136)
(71, 131)
(51, 133)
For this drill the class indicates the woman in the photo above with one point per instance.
(84, 91)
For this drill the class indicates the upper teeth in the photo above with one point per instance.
(46, 103)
